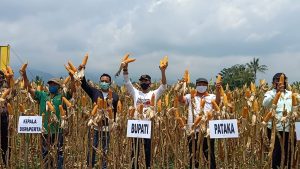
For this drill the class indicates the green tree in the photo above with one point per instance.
(255, 67)
(237, 76)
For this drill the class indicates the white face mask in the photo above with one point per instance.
(201, 89)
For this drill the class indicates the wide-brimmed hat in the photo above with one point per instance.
(55, 80)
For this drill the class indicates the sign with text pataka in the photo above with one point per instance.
(223, 128)
(30, 124)
(139, 128)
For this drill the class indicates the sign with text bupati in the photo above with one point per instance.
(223, 128)
(30, 124)
(139, 128)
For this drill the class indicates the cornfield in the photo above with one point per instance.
(169, 146)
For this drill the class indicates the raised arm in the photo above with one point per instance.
(128, 83)
(158, 92)
(27, 83)
(163, 74)
(87, 88)
(218, 96)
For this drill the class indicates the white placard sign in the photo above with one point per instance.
(223, 128)
(139, 128)
(30, 124)
(297, 126)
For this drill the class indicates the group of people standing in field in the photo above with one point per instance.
(140, 96)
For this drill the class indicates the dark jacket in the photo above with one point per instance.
(95, 93)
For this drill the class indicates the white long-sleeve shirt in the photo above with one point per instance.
(207, 107)
(285, 100)
(143, 98)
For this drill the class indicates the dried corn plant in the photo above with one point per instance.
(170, 133)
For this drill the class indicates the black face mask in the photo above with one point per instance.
(145, 86)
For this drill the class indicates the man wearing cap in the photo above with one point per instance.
(202, 95)
(284, 102)
(143, 97)
(51, 120)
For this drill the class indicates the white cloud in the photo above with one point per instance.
(256, 37)
(231, 17)
(269, 9)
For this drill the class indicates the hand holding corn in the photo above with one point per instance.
(23, 69)
(219, 82)
(163, 64)
(75, 73)
(124, 63)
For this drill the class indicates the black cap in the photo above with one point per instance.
(201, 80)
(145, 77)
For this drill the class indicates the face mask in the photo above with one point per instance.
(53, 89)
(104, 85)
(201, 89)
(145, 86)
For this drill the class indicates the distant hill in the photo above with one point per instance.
(32, 73)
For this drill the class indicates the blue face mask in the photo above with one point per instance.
(53, 89)
(104, 85)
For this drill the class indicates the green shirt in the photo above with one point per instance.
(43, 97)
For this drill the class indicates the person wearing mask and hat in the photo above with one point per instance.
(143, 97)
(94, 94)
(52, 120)
(202, 94)
(284, 102)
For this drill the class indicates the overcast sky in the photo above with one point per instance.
(203, 36)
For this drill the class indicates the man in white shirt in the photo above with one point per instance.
(202, 94)
(284, 102)
(143, 96)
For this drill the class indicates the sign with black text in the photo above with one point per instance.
(223, 128)
(297, 128)
(139, 128)
(30, 124)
